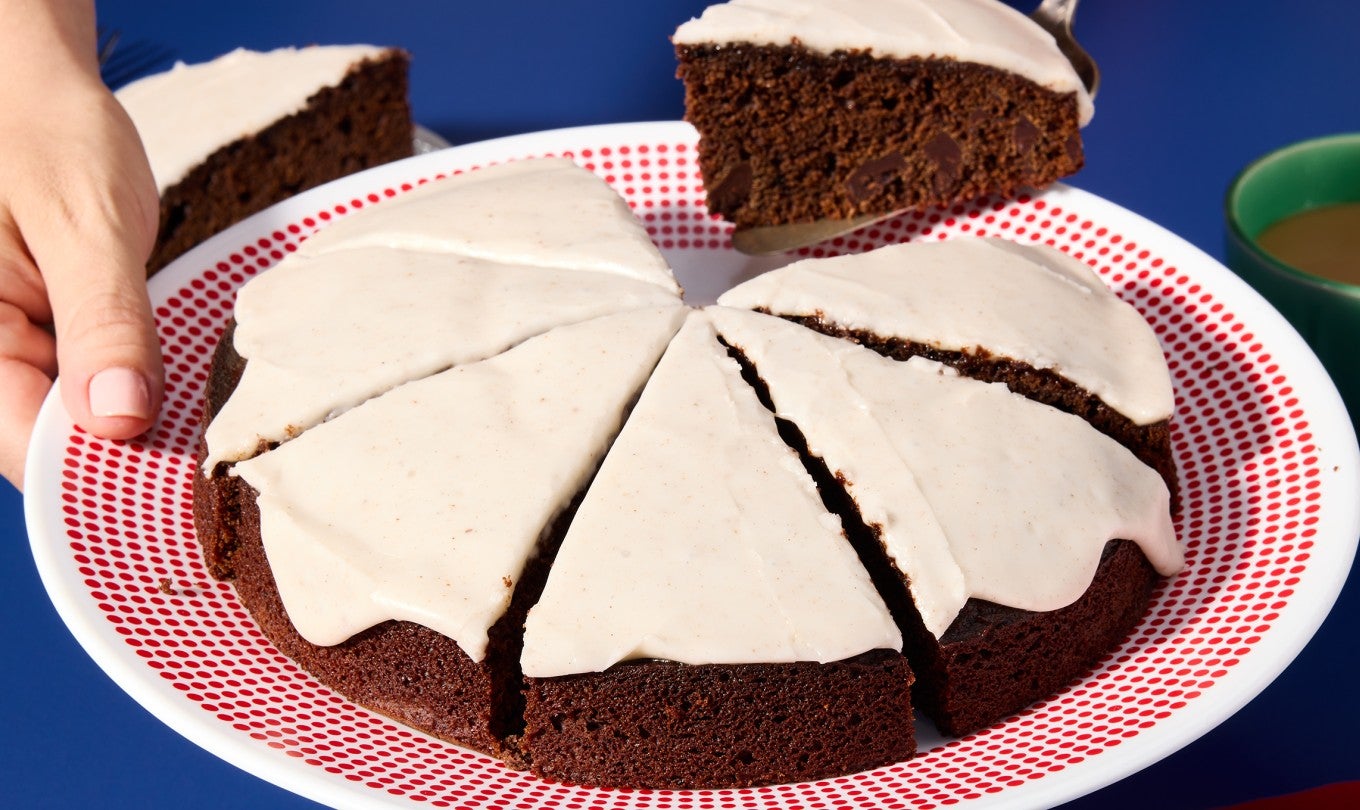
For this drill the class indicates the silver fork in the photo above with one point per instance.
(1054, 16)
(106, 41)
(120, 62)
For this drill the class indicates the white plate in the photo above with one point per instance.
(1268, 462)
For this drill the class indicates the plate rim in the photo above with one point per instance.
(1272, 655)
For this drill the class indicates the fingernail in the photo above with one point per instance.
(119, 392)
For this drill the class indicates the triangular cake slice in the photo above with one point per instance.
(321, 335)
(972, 493)
(1027, 315)
(814, 109)
(546, 212)
(702, 572)
(392, 521)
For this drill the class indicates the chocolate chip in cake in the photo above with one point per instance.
(730, 193)
(947, 156)
(872, 176)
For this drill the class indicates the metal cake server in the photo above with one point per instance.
(1054, 16)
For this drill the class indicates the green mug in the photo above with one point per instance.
(1291, 180)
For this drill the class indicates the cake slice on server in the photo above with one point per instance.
(1016, 543)
(380, 550)
(812, 109)
(706, 622)
(308, 329)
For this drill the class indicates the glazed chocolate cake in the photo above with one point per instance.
(993, 660)
(233, 136)
(809, 110)
(927, 304)
(705, 624)
(457, 679)
(643, 545)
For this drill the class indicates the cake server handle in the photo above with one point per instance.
(1054, 16)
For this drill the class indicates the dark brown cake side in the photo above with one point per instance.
(401, 669)
(1150, 443)
(663, 724)
(791, 135)
(657, 724)
(993, 660)
(640, 724)
(362, 122)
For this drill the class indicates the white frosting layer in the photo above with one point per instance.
(315, 345)
(977, 491)
(424, 504)
(460, 269)
(702, 540)
(190, 111)
(1030, 303)
(982, 31)
(547, 213)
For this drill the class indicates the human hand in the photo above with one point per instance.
(78, 217)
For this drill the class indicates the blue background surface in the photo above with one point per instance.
(1191, 92)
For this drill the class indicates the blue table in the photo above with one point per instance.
(1191, 92)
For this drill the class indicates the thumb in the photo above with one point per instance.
(91, 240)
(108, 356)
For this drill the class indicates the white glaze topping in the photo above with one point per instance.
(323, 335)
(190, 111)
(702, 540)
(547, 212)
(982, 31)
(976, 491)
(1030, 303)
(424, 504)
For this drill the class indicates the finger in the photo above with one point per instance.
(25, 388)
(20, 281)
(23, 342)
(107, 349)
(28, 362)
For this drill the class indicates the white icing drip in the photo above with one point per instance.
(1030, 303)
(977, 491)
(982, 31)
(190, 111)
(702, 540)
(316, 347)
(547, 212)
(399, 509)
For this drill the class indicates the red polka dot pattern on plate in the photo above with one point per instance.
(1250, 492)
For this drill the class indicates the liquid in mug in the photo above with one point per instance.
(1322, 241)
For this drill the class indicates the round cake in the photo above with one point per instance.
(472, 462)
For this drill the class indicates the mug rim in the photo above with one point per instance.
(1239, 234)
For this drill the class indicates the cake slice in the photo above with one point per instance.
(1029, 316)
(545, 212)
(971, 494)
(400, 290)
(705, 622)
(808, 109)
(300, 371)
(232, 136)
(379, 549)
